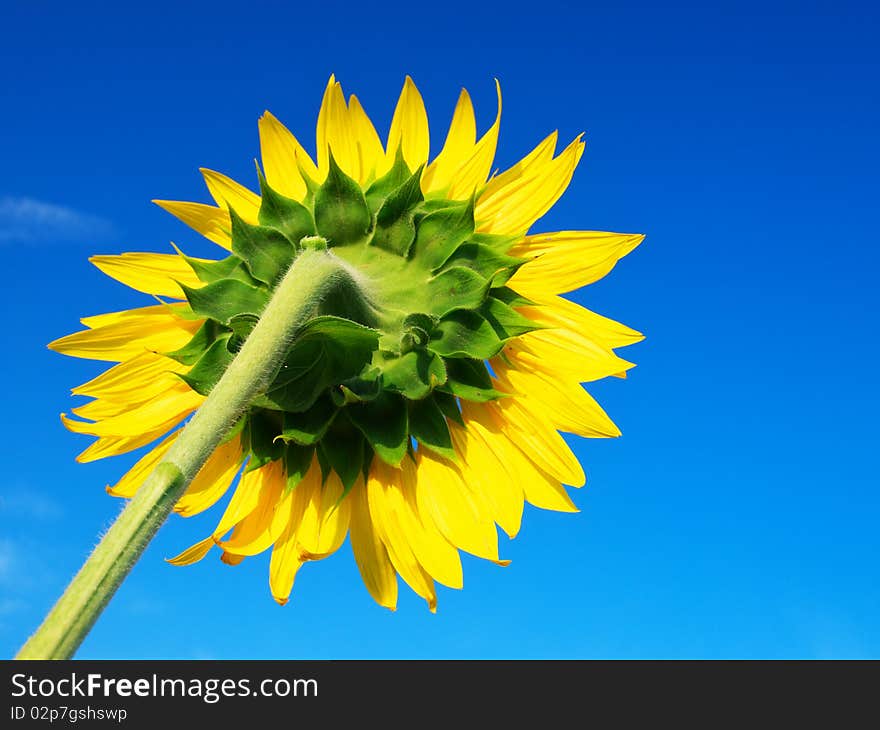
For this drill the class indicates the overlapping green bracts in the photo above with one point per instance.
(420, 304)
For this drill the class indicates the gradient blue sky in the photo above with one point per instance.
(737, 516)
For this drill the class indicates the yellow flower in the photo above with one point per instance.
(414, 414)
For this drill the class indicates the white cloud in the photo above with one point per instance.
(29, 220)
(29, 504)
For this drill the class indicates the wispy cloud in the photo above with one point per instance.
(28, 504)
(29, 220)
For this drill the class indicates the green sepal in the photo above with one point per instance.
(327, 351)
(455, 288)
(200, 342)
(448, 403)
(427, 424)
(395, 223)
(230, 267)
(465, 334)
(308, 427)
(341, 212)
(388, 183)
(259, 436)
(225, 299)
(487, 262)
(385, 424)
(469, 380)
(414, 374)
(505, 320)
(297, 460)
(266, 251)
(363, 387)
(511, 298)
(441, 232)
(285, 214)
(210, 367)
(499, 243)
(343, 448)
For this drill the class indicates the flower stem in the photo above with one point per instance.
(314, 275)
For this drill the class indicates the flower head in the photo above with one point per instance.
(420, 402)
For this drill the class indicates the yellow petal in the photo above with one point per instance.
(325, 519)
(369, 144)
(370, 552)
(335, 134)
(383, 496)
(535, 436)
(286, 559)
(244, 500)
(129, 334)
(409, 129)
(540, 489)
(565, 261)
(513, 209)
(212, 223)
(156, 416)
(483, 471)
(158, 314)
(563, 352)
(229, 194)
(557, 312)
(526, 167)
(564, 403)
(473, 173)
(150, 273)
(283, 156)
(134, 478)
(146, 374)
(213, 479)
(192, 554)
(113, 446)
(435, 553)
(253, 533)
(457, 149)
(460, 513)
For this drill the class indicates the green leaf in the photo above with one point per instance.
(465, 334)
(201, 341)
(290, 217)
(341, 212)
(308, 427)
(441, 232)
(297, 460)
(455, 288)
(427, 425)
(343, 448)
(505, 320)
(210, 367)
(385, 425)
(231, 267)
(469, 380)
(448, 403)
(395, 223)
(266, 251)
(414, 374)
(225, 299)
(487, 262)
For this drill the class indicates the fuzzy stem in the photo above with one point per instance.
(313, 276)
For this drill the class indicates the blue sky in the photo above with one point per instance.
(737, 516)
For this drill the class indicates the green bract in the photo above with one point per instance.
(420, 305)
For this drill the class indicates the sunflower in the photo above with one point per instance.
(421, 401)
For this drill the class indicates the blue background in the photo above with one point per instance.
(737, 516)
